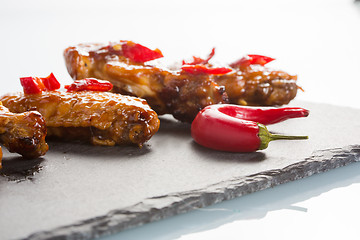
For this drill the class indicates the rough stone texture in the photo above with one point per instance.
(81, 192)
(160, 207)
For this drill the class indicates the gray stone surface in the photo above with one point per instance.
(79, 191)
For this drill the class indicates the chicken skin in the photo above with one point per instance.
(103, 118)
(179, 92)
(23, 133)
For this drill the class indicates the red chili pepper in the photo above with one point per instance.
(139, 53)
(250, 60)
(202, 69)
(91, 84)
(51, 83)
(198, 60)
(217, 130)
(32, 85)
(263, 115)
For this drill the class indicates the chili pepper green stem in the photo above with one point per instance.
(266, 137)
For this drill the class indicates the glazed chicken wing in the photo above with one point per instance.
(23, 133)
(104, 118)
(178, 92)
(182, 95)
(259, 85)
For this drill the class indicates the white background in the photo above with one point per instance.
(317, 39)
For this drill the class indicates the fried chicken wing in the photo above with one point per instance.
(104, 118)
(23, 133)
(182, 95)
(259, 85)
(178, 92)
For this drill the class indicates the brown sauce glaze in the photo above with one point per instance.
(103, 118)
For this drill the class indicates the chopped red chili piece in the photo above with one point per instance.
(198, 60)
(250, 60)
(222, 131)
(51, 83)
(32, 85)
(90, 84)
(202, 69)
(139, 53)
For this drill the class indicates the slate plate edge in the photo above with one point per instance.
(160, 207)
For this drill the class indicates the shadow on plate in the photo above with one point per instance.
(19, 169)
(173, 128)
(86, 149)
(220, 156)
(168, 127)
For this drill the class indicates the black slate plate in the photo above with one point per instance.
(79, 191)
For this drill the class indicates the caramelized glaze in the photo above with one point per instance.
(103, 118)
